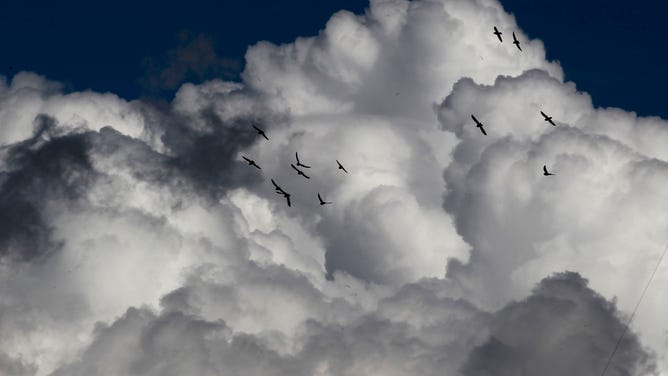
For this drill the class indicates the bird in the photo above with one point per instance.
(341, 166)
(287, 197)
(323, 202)
(548, 118)
(261, 132)
(299, 163)
(498, 34)
(516, 42)
(251, 162)
(545, 171)
(299, 172)
(479, 125)
(278, 189)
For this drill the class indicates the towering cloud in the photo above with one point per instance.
(136, 241)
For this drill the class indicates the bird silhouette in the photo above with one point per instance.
(341, 166)
(251, 162)
(479, 125)
(299, 163)
(516, 42)
(287, 197)
(498, 34)
(323, 202)
(299, 172)
(278, 189)
(548, 118)
(545, 171)
(261, 132)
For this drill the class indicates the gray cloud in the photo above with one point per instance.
(563, 327)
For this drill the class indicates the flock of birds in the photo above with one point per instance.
(299, 164)
(545, 116)
(277, 188)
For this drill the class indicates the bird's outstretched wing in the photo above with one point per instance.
(545, 116)
(319, 198)
(247, 160)
(278, 189)
(482, 130)
(474, 119)
(545, 169)
(288, 198)
(299, 163)
(295, 168)
(341, 166)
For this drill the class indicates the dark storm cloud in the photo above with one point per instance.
(54, 166)
(562, 328)
(195, 59)
(206, 155)
(48, 166)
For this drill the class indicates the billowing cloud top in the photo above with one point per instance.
(135, 240)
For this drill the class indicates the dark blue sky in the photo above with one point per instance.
(615, 50)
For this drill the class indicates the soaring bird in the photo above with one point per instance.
(278, 189)
(323, 202)
(545, 171)
(516, 42)
(251, 162)
(341, 166)
(548, 118)
(299, 163)
(479, 125)
(498, 34)
(299, 172)
(261, 132)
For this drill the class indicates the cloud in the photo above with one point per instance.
(136, 241)
(522, 225)
(563, 327)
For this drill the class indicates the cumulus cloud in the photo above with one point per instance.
(135, 241)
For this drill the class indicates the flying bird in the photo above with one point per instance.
(479, 125)
(498, 34)
(299, 163)
(299, 172)
(323, 202)
(548, 118)
(287, 197)
(251, 162)
(516, 42)
(278, 189)
(341, 166)
(545, 171)
(261, 132)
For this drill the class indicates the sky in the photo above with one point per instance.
(136, 240)
(110, 47)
